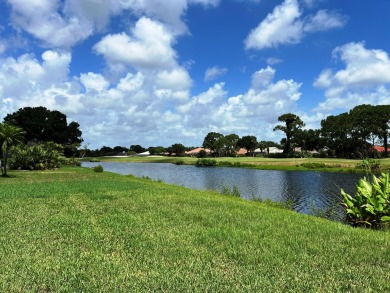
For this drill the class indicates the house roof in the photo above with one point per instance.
(197, 150)
(380, 149)
(241, 151)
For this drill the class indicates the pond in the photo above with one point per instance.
(306, 191)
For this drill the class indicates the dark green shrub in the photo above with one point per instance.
(313, 165)
(98, 169)
(37, 157)
(179, 162)
(204, 162)
(201, 154)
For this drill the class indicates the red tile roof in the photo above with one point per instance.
(380, 149)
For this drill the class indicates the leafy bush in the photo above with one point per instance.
(72, 162)
(37, 157)
(201, 154)
(98, 169)
(370, 206)
(204, 162)
(179, 162)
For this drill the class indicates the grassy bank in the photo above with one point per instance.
(74, 230)
(294, 164)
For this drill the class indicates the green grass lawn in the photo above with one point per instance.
(73, 230)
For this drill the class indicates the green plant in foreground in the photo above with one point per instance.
(370, 206)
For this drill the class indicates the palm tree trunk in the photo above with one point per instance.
(4, 167)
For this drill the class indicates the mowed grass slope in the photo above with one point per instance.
(74, 230)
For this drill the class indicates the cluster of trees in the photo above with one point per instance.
(347, 135)
(228, 145)
(41, 134)
(352, 134)
(43, 125)
(177, 149)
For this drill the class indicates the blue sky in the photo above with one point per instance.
(154, 72)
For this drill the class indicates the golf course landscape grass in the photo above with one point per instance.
(75, 230)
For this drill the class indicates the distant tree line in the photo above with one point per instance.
(348, 135)
(176, 149)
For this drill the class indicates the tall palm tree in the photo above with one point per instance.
(9, 135)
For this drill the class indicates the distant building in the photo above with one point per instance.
(241, 152)
(380, 149)
(274, 150)
(196, 151)
(144, 154)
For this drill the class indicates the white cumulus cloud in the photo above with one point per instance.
(149, 46)
(365, 78)
(64, 23)
(286, 25)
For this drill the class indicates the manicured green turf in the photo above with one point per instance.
(74, 230)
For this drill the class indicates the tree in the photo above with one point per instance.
(309, 139)
(9, 136)
(336, 132)
(363, 128)
(293, 124)
(137, 148)
(178, 149)
(248, 142)
(382, 121)
(42, 125)
(231, 144)
(158, 150)
(211, 142)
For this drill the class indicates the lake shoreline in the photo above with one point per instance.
(280, 164)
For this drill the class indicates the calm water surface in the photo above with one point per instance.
(306, 191)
